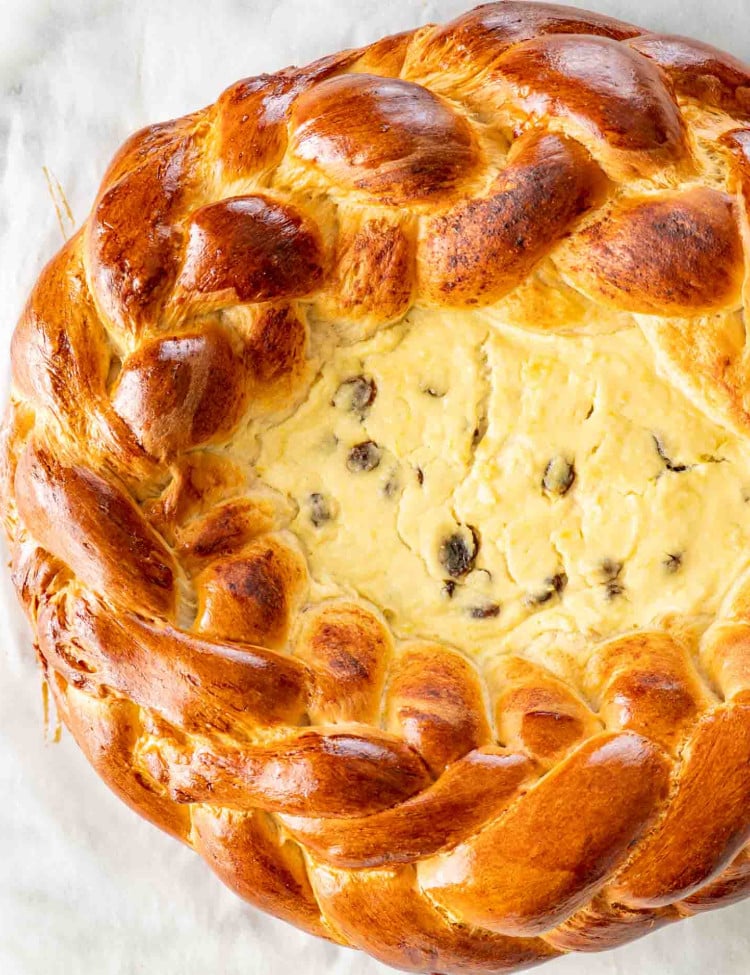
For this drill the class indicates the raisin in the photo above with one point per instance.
(434, 393)
(553, 586)
(559, 582)
(540, 598)
(319, 508)
(363, 456)
(559, 475)
(668, 462)
(420, 476)
(673, 562)
(449, 587)
(480, 432)
(356, 395)
(392, 485)
(613, 586)
(487, 612)
(458, 553)
(610, 569)
(328, 443)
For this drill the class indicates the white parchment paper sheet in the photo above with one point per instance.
(85, 885)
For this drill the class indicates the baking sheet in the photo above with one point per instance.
(85, 885)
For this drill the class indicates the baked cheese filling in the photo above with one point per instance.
(492, 487)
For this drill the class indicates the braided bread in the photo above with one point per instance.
(377, 482)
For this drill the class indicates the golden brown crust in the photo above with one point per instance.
(394, 140)
(478, 251)
(709, 816)
(275, 353)
(600, 926)
(473, 790)
(349, 650)
(247, 852)
(649, 684)
(224, 530)
(179, 392)
(434, 702)
(248, 249)
(134, 237)
(373, 273)
(106, 731)
(396, 923)
(538, 714)
(342, 773)
(251, 133)
(700, 71)
(160, 667)
(542, 861)
(483, 34)
(251, 597)
(600, 85)
(678, 254)
(442, 814)
(732, 885)
(93, 525)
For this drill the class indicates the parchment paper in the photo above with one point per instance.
(85, 885)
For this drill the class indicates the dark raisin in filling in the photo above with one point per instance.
(487, 612)
(319, 509)
(558, 478)
(356, 395)
(391, 486)
(668, 462)
(558, 582)
(458, 553)
(613, 585)
(673, 562)
(480, 432)
(553, 586)
(363, 456)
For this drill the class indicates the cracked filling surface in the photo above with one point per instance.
(505, 489)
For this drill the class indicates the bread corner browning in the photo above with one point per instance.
(441, 812)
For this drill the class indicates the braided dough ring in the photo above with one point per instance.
(376, 475)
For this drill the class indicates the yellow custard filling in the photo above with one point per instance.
(490, 486)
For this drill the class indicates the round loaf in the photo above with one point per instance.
(378, 785)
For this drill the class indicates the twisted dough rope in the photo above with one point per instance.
(361, 789)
